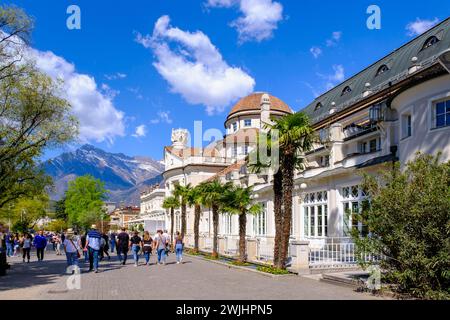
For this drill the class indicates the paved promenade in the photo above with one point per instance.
(193, 280)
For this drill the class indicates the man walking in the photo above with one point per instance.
(93, 242)
(40, 243)
(112, 241)
(9, 239)
(123, 240)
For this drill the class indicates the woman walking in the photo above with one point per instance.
(161, 245)
(71, 248)
(147, 247)
(136, 244)
(26, 247)
(58, 245)
(16, 245)
(178, 245)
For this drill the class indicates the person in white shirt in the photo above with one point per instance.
(26, 247)
(71, 248)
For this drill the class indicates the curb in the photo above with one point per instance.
(276, 276)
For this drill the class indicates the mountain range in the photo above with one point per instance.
(124, 176)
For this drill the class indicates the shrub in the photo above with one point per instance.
(272, 270)
(408, 221)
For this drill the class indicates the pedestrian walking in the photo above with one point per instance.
(178, 245)
(16, 245)
(123, 240)
(82, 244)
(93, 241)
(168, 238)
(3, 259)
(161, 245)
(105, 246)
(71, 248)
(112, 241)
(26, 247)
(40, 242)
(136, 245)
(9, 240)
(58, 245)
(147, 246)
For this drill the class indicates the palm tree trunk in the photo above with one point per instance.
(215, 211)
(172, 222)
(242, 233)
(288, 184)
(278, 215)
(183, 220)
(198, 209)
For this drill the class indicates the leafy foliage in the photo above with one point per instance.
(84, 201)
(272, 270)
(57, 225)
(409, 223)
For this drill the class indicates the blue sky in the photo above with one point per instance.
(131, 88)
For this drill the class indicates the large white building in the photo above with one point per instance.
(387, 112)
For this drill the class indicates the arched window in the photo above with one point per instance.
(429, 42)
(346, 90)
(318, 106)
(382, 69)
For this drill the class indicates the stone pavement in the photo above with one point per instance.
(193, 280)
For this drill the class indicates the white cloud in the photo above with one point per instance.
(98, 117)
(333, 79)
(419, 26)
(259, 17)
(163, 117)
(335, 38)
(141, 131)
(316, 52)
(115, 76)
(195, 68)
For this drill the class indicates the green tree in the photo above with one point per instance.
(84, 201)
(182, 193)
(57, 225)
(213, 197)
(34, 116)
(25, 212)
(408, 221)
(171, 203)
(195, 198)
(238, 200)
(60, 209)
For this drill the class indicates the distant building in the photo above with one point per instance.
(152, 217)
(120, 217)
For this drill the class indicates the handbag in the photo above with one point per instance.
(78, 252)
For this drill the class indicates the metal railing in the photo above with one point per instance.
(264, 250)
(337, 252)
(231, 247)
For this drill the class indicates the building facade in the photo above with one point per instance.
(388, 112)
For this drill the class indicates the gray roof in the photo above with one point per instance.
(398, 62)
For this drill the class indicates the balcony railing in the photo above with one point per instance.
(354, 131)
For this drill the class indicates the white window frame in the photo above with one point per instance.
(247, 125)
(404, 126)
(350, 200)
(260, 222)
(310, 225)
(431, 108)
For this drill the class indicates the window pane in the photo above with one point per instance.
(325, 214)
(325, 196)
(346, 192)
(447, 119)
(355, 191)
(440, 108)
(312, 197)
(305, 221)
(447, 103)
(440, 120)
(312, 222)
(319, 196)
(319, 221)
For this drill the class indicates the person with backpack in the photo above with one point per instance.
(26, 247)
(40, 243)
(136, 245)
(147, 247)
(161, 246)
(123, 240)
(178, 245)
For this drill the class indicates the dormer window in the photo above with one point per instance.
(429, 42)
(346, 90)
(384, 68)
(247, 122)
(318, 106)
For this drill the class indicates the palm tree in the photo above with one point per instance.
(260, 166)
(171, 203)
(213, 197)
(195, 199)
(238, 200)
(182, 193)
(296, 136)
